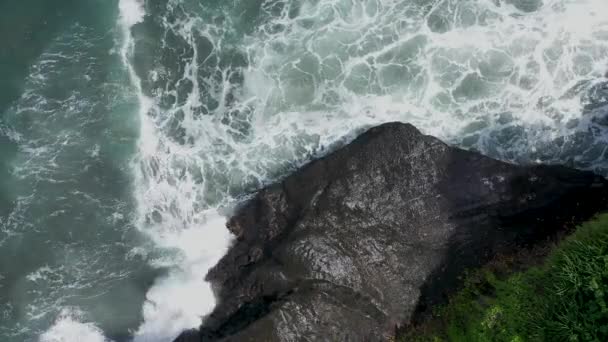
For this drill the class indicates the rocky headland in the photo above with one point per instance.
(371, 236)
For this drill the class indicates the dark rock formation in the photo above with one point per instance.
(360, 241)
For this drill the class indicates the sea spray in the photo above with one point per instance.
(69, 328)
(194, 240)
(234, 96)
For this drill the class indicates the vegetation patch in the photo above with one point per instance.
(563, 299)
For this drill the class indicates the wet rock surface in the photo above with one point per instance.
(378, 232)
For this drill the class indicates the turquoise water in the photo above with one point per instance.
(130, 128)
(68, 134)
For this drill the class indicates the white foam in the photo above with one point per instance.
(69, 328)
(193, 239)
(180, 300)
(332, 70)
(131, 12)
(392, 65)
(40, 274)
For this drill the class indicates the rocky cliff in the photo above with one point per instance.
(364, 239)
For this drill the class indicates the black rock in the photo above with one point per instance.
(370, 236)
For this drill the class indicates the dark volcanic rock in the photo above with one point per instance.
(355, 243)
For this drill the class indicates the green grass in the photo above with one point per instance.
(564, 299)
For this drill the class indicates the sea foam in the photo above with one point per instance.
(194, 240)
(496, 76)
(69, 328)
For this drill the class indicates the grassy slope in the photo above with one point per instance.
(564, 299)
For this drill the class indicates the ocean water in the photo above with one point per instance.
(129, 129)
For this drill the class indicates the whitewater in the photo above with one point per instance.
(228, 96)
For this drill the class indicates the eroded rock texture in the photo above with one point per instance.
(355, 243)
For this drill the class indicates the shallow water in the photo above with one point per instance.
(130, 128)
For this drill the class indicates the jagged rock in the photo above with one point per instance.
(362, 240)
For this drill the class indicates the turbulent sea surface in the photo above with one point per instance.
(130, 128)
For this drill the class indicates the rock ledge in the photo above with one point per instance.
(370, 236)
